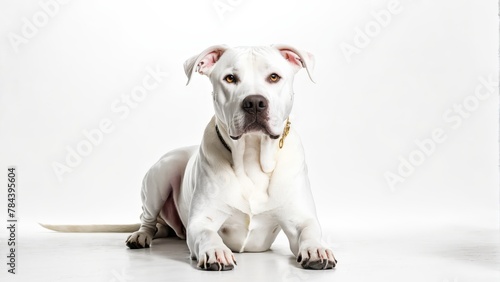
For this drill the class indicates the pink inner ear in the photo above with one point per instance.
(292, 57)
(208, 61)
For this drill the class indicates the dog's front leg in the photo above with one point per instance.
(304, 235)
(299, 222)
(203, 239)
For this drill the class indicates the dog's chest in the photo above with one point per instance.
(254, 182)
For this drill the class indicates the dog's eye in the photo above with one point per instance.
(230, 78)
(274, 78)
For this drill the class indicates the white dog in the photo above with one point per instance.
(248, 178)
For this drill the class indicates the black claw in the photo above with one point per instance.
(217, 267)
(214, 266)
(135, 245)
(327, 264)
(318, 264)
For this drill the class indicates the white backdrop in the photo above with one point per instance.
(406, 85)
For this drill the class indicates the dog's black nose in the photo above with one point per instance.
(254, 104)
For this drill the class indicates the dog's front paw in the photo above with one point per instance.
(316, 258)
(139, 240)
(218, 259)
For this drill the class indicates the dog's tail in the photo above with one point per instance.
(103, 228)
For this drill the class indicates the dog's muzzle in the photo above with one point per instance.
(256, 116)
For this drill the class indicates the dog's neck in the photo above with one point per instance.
(252, 149)
(222, 139)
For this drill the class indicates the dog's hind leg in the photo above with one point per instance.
(157, 189)
(151, 205)
(163, 230)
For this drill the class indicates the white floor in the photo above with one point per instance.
(425, 253)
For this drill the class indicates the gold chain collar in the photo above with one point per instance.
(286, 130)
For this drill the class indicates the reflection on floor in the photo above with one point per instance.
(435, 253)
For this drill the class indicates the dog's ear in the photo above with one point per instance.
(299, 59)
(204, 62)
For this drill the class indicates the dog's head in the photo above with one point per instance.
(252, 86)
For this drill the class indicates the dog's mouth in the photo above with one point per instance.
(256, 127)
